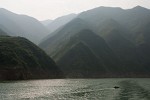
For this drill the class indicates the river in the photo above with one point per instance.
(77, 89)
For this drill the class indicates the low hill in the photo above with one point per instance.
(21, 59)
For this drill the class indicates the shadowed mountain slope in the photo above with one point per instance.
(20, 59)
(119, 43)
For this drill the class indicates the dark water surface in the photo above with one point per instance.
(76, 89)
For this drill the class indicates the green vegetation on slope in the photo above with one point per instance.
(122, 43)
(21, 59)
(87, 55)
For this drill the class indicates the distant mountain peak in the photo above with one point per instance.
(139, 8)
(60, 21)
(69, 15)
(108, 8)
(1, 9)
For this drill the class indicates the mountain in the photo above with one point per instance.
(20, 59)
(96, 16)
(46, 22)
(114, 41)
(54, 41)
(125, 31)
(86, 55)
(22, 25)
(116, 37)
(143, 44)
(131, 20)
(58, 22)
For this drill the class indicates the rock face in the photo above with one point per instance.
(103, 42)
(20, 59)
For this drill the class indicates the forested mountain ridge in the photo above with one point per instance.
(20, 59)
(125, 34)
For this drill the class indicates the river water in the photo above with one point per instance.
(76, 89)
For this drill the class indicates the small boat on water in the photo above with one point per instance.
(116, 87)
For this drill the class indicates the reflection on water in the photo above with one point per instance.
(132, 90)
(76, 89)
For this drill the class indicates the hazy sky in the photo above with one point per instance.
(51, 9)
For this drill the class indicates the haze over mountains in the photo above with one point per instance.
(58, 22)
(22, 25)
(125, 35)
(2, 33)
(101, 42)
(46, 22)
